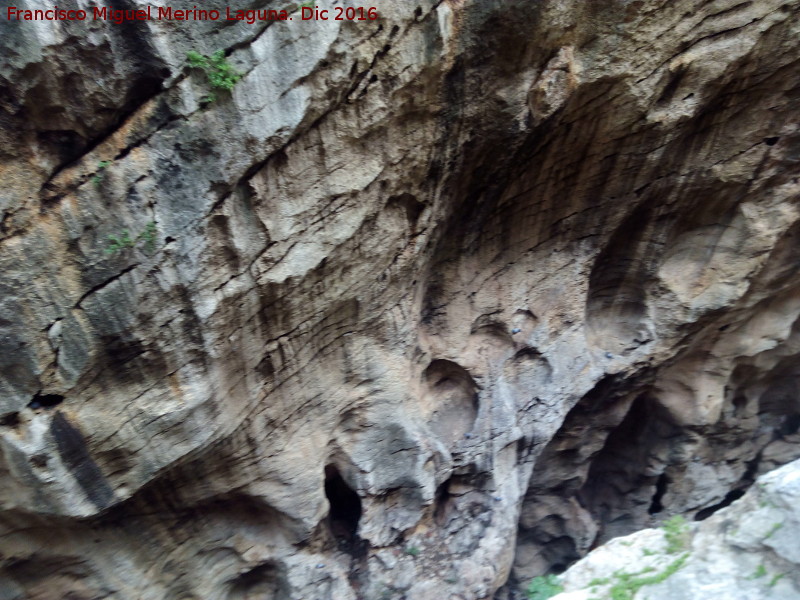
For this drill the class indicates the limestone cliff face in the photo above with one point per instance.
(422, 304)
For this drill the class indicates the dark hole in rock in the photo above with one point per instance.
(266, 368)
(661, 488)
(45, 401)
(790, 425)
(739, 404)
(39, 460)
(120, 350)
(771, 141)
(618, 488)
(345, 505)
(440, 510)
(66, 145)
(729, 499)
(407, 203)
(10, 420)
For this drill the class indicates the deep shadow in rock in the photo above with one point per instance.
(729, 499)
(620, 489)
(345, 510)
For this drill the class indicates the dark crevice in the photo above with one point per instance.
(618, 480)
(147, 84)
(108, 281)
(661, 488)
(345, 508)
(441, 502)
(10, 420)
(790, 425)
(729, 499)
(45, 400)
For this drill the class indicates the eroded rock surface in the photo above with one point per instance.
(431, 301)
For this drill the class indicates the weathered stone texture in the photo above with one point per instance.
(477, 280)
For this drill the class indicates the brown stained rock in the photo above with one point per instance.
(520, 275)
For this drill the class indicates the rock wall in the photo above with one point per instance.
(422, 305)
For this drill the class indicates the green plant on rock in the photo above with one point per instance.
(220, 74)
(761, 571)
(117, 243)
(676, 532)
(100, 174)
(123, 241)
(412, 551)
(543, 587)
(776, 579)
(627, 584)
(148, 237)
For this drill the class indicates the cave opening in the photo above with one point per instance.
(661, 488)
(739, 406)
(345, 505)
(10, 420)
(790, 425)
(620, 491)
(45, 400)
(729, 499)
(440, 502)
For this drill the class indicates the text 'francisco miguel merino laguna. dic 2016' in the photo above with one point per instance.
(166, 13)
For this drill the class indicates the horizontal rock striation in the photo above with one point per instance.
(421, 306)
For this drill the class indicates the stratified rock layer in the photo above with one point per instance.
(473, 281)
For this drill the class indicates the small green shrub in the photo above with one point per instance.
(776, 579)
(120, 242)
(100, 174)
(412, 551)
(148, 236)
(761, 571)
(220, 74)
(627, 584)
(676, 532)
(543, 587)
(599, 581)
